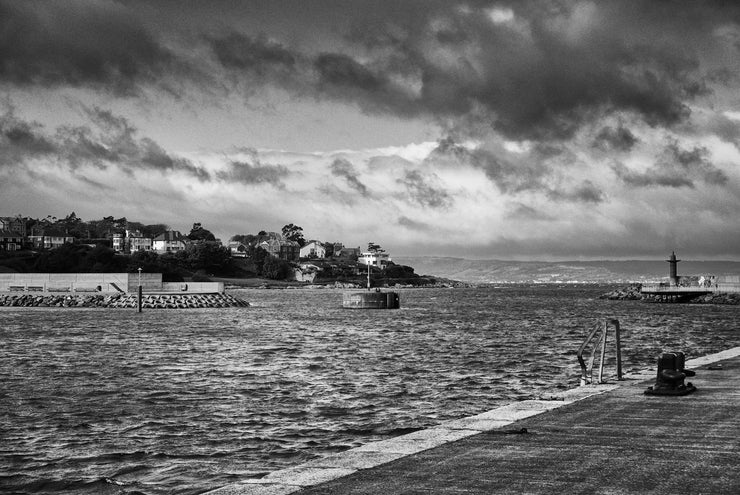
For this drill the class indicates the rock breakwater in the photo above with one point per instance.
(630, 293)
(149, 301)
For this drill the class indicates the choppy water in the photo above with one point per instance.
(113, 401)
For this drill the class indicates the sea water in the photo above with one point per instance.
(181, 401)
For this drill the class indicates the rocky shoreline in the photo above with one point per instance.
(632, 293)
(149, 301)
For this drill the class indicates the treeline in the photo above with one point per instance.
(93, 229)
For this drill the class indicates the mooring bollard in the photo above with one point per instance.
(671, 375)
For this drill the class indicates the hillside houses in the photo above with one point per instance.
(18, 233)
(126, 237)
(277, 246)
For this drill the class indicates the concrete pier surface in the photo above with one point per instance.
(608, 439)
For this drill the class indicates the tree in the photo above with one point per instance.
(209, 256)
(72, 225)
(329, 249)
(374, 248)
(198, 233)
(275, 268)
(294, 233)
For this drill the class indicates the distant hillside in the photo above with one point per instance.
(497, 271)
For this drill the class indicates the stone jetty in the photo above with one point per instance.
(149, 301)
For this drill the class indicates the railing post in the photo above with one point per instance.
(584, 372)
(587, 371)
(603, 352)
(619, 348)
(592, 359)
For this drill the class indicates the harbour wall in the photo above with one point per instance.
(103, 283)
(119, 300)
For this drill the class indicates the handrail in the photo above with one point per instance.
(587, 371)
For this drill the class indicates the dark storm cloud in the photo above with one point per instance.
(586, 192)
(724, 128)
(548, 69)
(114, 143)
(615, 139)
(653, 177)
(536, 70)
(675, 167)
(405, 221)
(117, 143)
(510, 176)
(20, 140)
(421, 191)
(79, 44)
(152, 155)
(341, 70)
(254, 174)
(259, 56)
(344, 169)
(694, 162)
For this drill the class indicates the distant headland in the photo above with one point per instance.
(264, 259)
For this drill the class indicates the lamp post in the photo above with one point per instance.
(139, 291)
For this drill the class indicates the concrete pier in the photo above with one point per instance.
(594, 439)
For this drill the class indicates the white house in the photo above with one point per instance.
(169, 242)
(118, 242)
(314, 249)
(137, 241)
(238, 249)
(380, 260)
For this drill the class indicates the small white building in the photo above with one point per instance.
(380, 260)
(313, 249)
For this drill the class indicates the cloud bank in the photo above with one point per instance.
(550, 128)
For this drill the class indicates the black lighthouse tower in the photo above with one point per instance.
(673, 274)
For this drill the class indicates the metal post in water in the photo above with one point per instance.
(139, 292)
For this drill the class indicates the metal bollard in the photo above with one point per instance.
(671, 375)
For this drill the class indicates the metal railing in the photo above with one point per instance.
(602, 329)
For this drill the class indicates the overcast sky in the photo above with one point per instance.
(510, 130)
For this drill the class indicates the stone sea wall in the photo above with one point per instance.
(149, 301)
(632, 293)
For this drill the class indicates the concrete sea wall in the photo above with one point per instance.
(149, 301)
(103, 283)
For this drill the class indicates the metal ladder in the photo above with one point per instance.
(601, 328)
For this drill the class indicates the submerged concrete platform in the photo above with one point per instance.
(604, 439)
